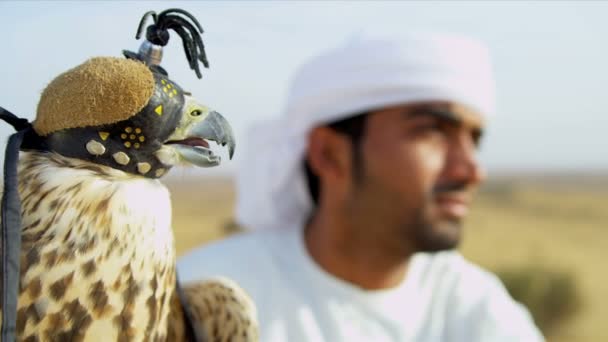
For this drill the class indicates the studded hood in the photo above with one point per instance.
(91, 122)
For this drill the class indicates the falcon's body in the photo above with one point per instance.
(98, 258)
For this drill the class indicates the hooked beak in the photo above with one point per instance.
(216, 128)
(195, 148)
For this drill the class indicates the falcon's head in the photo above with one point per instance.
(121, 113)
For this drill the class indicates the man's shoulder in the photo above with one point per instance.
(477, 296)
(241, 256)
(452, 267)
(460, 277)
(239, 241)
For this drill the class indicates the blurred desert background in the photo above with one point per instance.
(546, 236)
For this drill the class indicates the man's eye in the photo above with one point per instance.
(476, 137)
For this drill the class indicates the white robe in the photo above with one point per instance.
(443, 297)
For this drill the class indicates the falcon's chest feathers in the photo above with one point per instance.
(97, 256)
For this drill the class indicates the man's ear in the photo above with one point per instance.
(329, 153)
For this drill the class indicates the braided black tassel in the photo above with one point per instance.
(185, 25)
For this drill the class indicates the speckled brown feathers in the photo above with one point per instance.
(220, 309)
(223, 310)
(85, 270)
(98, 260)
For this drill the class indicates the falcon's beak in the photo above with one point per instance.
(195, 148)
(216, 128)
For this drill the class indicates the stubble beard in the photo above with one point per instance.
(417, 230)
(420, 233)
(428, 235)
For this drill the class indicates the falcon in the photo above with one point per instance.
(97, 258)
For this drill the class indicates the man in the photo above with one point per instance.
(360, 190)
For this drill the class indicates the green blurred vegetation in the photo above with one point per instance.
(552, 296)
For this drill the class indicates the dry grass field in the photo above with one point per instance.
(556, 224)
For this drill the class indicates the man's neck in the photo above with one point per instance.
(359, 262)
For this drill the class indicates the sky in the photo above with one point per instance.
(549, 60)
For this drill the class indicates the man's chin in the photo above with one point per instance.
(440, 236)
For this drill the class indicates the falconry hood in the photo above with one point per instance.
(121, 113)
(127, 113)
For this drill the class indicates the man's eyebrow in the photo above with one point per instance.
(444, 114)
(441, 113)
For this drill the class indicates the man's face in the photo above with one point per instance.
(417, 172)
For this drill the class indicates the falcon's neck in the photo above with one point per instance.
(121, 205)
(98, 239)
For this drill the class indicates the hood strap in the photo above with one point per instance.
(10, 237)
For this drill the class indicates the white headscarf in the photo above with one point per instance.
(368, 72)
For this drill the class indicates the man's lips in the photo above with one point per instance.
(453, 205)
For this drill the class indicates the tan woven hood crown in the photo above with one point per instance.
(102, 90)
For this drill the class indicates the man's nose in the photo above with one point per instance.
(462, 164)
